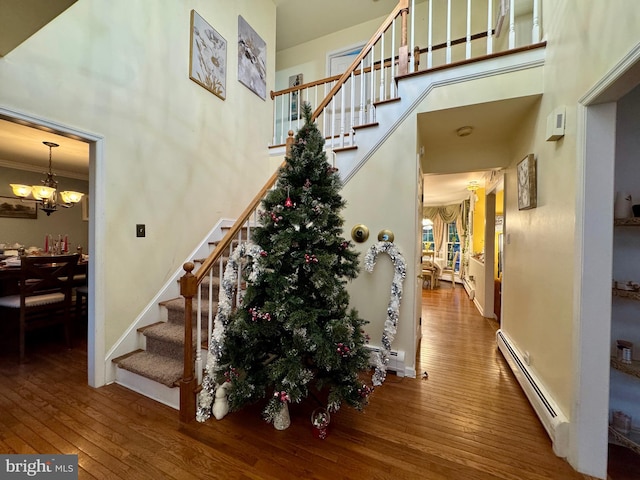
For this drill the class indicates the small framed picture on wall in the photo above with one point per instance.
(527, 183)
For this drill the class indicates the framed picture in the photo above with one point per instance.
(85, 207)
(18, 208)
(294, 81)
(207, 57)
(527, 182)
(252, 59)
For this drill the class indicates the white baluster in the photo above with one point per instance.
(210, 315)
(198, 335)
(275, 120)
(392, 83)
(468, 50)
(372, 82)
(448, 55)
(430, 36)
(333, 121)
(381, 94)
(512, 25)
(342, 114)
(413, 36)
(352, 106)
(535, 34)
(489, 27)
(362, 91)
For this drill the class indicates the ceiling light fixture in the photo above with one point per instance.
(473, 186)
(47, 193)
(464, 131)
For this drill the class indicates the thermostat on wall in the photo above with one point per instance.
(555, 124)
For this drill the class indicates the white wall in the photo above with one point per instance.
(175, 157)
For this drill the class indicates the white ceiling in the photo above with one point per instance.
(21, 147)
(299, 21)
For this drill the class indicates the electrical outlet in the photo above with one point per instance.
(527, 358)
(140, 230)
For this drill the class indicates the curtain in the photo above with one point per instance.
(440, 216)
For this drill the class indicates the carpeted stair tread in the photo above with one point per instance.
(165, 370)
(169, 332)
(177, 304)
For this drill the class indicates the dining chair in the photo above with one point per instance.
(451, 270)
(45, 296)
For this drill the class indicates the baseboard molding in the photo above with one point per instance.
(478, 306)
(396, 361)
(554, 421)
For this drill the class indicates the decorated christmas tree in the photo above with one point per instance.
(294, 332)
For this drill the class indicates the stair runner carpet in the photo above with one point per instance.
(162, 359)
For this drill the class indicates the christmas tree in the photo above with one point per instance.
(294, 331)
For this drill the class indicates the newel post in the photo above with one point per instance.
(289, 144)
(188, 383)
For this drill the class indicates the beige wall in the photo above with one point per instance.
(388, 205)
(538, 277)
(176, 157)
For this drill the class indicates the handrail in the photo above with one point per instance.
(401, 7)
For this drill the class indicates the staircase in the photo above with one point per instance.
(156, 367)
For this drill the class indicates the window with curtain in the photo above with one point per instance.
(452, 245)
(427, 237)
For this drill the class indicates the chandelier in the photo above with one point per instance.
(47, 193)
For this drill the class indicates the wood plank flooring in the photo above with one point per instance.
(468, 420)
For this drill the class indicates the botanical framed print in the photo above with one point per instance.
(208, 57)
(252, 59)
(18, 208)
(527, 183)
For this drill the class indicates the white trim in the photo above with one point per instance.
(549, 413)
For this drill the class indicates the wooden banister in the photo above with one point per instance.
(402, 5)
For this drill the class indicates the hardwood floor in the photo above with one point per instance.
(468, 420)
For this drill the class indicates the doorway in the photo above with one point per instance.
(95, 309)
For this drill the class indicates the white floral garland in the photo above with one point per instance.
(225, 302)
(393, 309)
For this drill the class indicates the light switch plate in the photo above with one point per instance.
(140, 230)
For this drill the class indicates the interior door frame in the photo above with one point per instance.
(95, 302)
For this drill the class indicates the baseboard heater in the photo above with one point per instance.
(396, 360)
(553, 420)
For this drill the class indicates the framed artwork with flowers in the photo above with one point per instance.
(208, 57)
(527, 183)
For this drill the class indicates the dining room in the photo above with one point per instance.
(44, 224)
